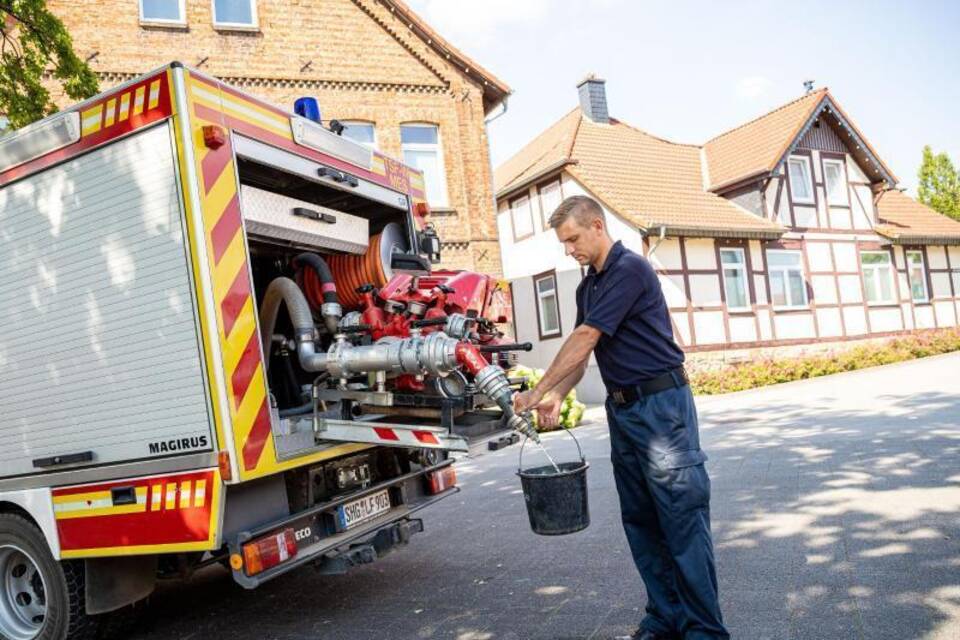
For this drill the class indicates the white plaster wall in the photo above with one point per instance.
(823, 219)
(743, 329)
(815, 159)
(840, 218)
(824, 289)
(681, 326)
(850, 289)
(756, 256)
(763, 316)
(760, 288)
(862, 208)
(845, 257)
(819, 256)
(783, 210)
(887, 319)
(700, 254)
(946, 313)
(941, 285)
(793, 326)
(854, 172)
(954, 256)
(708, 326)
(771, 198)
(924, 315)
(667, 255)
(704, 291)
(898, 257)
(937, 257)
(829, 323)
(673, 290)
(904, 287)
(805, 216)
(855, 319)
(907, 315)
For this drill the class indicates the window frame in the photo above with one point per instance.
(544, 217)
(810, 182)
(438, 148)
(955, 281)
(892, 279)
(742, 268)
(511, 204)
(771, 269)
(843, 181)
(537, 299)
(923, 275)
(165, 22)
(373, 125)
(254, 24)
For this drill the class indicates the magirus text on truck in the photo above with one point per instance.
(224, 343)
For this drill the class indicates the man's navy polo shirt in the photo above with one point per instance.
(624, 301)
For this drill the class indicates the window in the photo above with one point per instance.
(801, 185)
(836, 180)
(550, 198)
(361, 132)
(235, 13)
(787, 286)
(917, 276)
(163, 11)
(421, 149)
(877, 277)
(735, 278)
(548, 308)
(522, 218)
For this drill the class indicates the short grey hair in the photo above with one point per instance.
(584, 210)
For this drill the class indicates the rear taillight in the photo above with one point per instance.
(269, 551)
(441, 480)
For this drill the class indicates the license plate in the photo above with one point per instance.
(366, 508)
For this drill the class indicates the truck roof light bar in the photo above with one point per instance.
(310, 134)
(39, 139)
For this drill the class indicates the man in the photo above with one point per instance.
(655, 445)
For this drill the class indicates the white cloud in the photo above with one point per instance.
(754, 87)
(469, 22)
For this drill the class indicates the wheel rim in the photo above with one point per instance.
(23, 600)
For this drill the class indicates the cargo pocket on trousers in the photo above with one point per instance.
(689, 483)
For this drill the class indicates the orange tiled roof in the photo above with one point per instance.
(650, 181)
(904, 220)
(757, 146)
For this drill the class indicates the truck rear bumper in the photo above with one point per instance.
(335, 551)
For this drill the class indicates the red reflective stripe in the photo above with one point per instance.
(213, 164)
(247, 366)
(226, 229)
(257, 439)
(426, 437)
(386, 434)
(233, 301)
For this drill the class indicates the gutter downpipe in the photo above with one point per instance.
(660, 238)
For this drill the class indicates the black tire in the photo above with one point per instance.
(62, 588)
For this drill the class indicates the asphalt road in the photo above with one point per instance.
(836, 508)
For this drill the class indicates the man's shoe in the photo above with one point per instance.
(646, 634)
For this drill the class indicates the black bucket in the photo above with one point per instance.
(556, 502)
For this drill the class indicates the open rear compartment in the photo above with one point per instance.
(355, 330)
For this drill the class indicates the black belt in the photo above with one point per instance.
(674, 378)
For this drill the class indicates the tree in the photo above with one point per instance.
(939, 186)
(33, 41)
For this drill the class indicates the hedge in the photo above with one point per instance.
(759, 373)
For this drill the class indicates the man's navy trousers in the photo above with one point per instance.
(665, 504)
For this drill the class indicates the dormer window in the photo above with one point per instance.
(801, 183)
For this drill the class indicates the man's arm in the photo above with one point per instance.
(571, 361)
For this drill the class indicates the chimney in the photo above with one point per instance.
(593, 98)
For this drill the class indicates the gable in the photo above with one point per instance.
(822, 137)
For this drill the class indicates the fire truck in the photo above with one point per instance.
(223, 342)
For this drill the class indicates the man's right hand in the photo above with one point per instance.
(548, 410)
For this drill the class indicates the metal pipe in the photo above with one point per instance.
(285, 290)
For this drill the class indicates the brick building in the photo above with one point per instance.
(371, 63)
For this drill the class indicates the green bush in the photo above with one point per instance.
(571, 411)
(759, 373)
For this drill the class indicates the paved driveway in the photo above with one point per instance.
(836, 506)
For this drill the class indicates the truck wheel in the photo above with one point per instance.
(40, 598)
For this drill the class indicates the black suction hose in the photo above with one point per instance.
(323, 272)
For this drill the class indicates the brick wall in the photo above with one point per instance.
(355, 56)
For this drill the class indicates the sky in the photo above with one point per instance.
(688, 71)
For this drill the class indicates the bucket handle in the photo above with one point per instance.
(524, 443)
